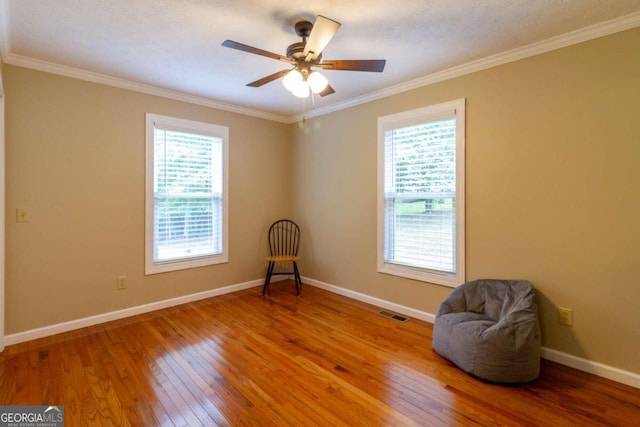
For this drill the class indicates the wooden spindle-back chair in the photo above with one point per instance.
(284, 239)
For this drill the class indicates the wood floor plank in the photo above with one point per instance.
(317, 360)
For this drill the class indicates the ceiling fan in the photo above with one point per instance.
(307, 55)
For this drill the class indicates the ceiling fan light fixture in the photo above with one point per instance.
(301, 81)
(317, 82)
(292, 80)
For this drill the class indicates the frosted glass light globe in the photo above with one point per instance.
(292, 80)
(302, 91)
(318, 82)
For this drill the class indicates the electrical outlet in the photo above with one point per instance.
(122, 282)
(23, 215)
(565, 316)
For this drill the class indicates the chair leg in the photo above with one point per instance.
(267, 279)
(297, 277)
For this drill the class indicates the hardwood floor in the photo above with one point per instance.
(321, 359)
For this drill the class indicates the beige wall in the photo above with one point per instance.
(75, 156)
(553, 157)
(553, 168)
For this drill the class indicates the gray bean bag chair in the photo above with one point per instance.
(489, 329)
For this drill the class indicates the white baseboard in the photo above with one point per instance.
(599, 369)
(609, 372)
(595, 368)
(400, 309)
(121, 314)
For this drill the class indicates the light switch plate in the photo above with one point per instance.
(23, 214)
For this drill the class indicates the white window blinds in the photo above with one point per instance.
(421, 193)
(186, 213)
(187, 195)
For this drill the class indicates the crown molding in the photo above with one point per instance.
(76, 73)
(22, 61)
(574, 37)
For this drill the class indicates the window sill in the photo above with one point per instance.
(164, 267)
(451, 280)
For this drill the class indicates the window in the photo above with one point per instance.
(186, 194)
(421, 193)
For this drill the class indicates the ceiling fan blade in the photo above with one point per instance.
(255, 50)
(268, 79)
(323, 31)
(374, 65)
(327, 91)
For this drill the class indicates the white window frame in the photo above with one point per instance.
(192, 127)
(410, 118)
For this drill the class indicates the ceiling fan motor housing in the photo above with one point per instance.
(296, 51)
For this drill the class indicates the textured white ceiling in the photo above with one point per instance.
(176, 44)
